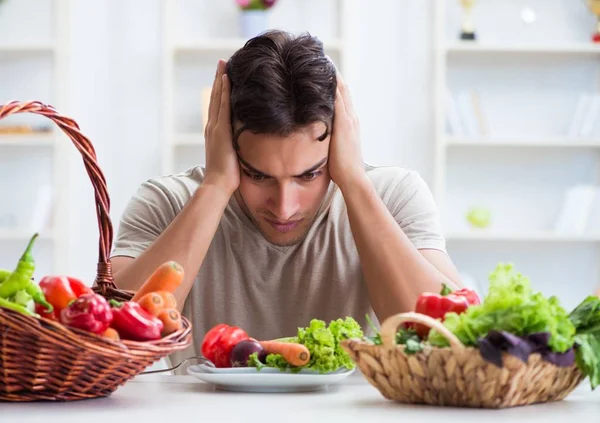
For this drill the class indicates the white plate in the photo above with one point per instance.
(242, 379)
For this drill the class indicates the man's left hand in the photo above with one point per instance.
(345, 157)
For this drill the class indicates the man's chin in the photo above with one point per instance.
(283, 239)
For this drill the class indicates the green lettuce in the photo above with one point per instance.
(586, 319)
(512, 306)
(324, 344)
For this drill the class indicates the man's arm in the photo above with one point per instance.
(396, 272)
(188, 237)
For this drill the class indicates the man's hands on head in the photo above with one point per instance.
(345, 157)
(222, 168)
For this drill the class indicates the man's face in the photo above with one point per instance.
(283, 181)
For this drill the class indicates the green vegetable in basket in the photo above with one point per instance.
(4, 303)
(404, 336)
(4, 274)
(586, 318)
(21, 278)
(511, 306)
(24, 299)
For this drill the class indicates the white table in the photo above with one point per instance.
(174, 399)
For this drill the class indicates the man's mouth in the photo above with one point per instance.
(284, 226)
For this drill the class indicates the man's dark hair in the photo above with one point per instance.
(281, 82)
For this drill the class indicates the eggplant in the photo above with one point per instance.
(243, 350)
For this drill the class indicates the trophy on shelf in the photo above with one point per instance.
(467, 27)
(594, 6)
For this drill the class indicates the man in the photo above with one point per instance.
(285, 223)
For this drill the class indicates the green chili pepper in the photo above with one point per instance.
(4, 274)
(20, 278)
(4, 303)
(38, 296)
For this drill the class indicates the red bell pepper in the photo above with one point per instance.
(437, 305)
(89, 312)
(219, 341)
(60, 291)
(134, 323)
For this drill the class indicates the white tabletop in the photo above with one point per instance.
(175, 399)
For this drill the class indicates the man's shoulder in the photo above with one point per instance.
(177, 188)
(392, 176)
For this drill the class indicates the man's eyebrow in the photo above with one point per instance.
(309, 170)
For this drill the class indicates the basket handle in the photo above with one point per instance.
(390, 327)
(104, 278)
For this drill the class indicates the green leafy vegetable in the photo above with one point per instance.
(586, 319)
(407, 337)
(510, 306)
(323, 343)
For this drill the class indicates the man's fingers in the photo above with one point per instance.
(343, 88)
(224, 110)
(215, 95)
(339, 107)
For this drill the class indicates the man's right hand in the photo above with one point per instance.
(222, 168)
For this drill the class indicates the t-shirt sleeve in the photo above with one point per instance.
(146, 216)
(413, 206)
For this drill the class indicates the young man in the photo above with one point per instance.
(285, 223)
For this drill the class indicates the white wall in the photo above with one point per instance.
(116, 98)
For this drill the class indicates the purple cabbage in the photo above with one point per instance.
(495, 343)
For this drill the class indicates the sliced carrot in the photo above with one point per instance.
(167, 277)
(153, 303)
(295, 354)
(111, 333)
(171, 319)
(168, 298)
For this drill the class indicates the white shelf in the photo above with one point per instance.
(28, 140)
(188, 139)
(23, 235)
(27, 48)
(520, 237)
(514, 142)
(466, 47)
(230, 45)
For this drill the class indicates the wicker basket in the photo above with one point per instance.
(44, 360)
(458, 375)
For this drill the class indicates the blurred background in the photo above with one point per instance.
(494, 102)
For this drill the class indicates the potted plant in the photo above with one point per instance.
(254, 16)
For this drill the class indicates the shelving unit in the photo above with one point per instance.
(528, 78)
(33, 66)
(191, 52)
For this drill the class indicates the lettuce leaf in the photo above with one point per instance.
(586, 319)
(511, 306)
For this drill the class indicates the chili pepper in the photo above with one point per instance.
(89, 312)
(4, 303)
(219, 341)
(20, 278)
(4, 274)
(134, 323)
(437, 305)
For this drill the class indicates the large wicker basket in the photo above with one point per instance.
(457, 375)
(44, 360)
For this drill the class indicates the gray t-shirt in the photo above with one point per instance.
(270, 290)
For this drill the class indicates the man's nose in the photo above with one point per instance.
(284, 204)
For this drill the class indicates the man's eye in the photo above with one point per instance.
(255, 176)
(310, 176)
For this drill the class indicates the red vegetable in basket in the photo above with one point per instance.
(89, 312)
(134, 323)
(219, 341)
(437, 305)
(60, 291)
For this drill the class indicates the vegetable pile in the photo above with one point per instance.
(150, 315)
(512, 319)
(316, 347)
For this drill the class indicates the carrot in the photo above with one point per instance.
(152, 302)
(295, 354)
(167, 277)
(171, 319)
(168, 298)
(111, 333)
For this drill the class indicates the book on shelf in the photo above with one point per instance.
(464, 113)
(575, 216)
(585, 114)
